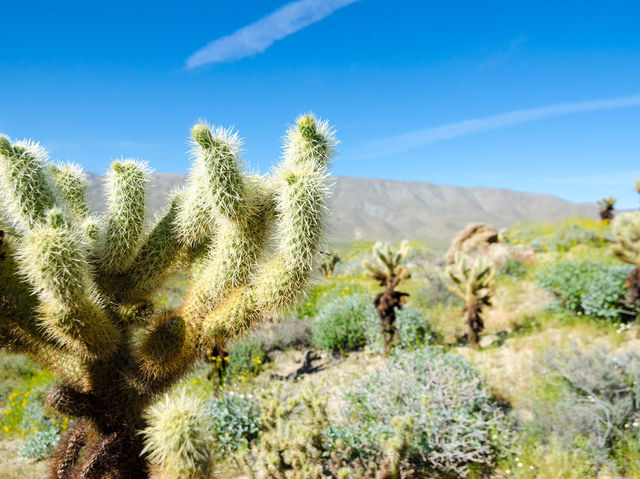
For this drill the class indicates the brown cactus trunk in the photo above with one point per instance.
(87, 452)
(386, 303)
(472, 314)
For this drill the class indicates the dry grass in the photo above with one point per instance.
(14, 467)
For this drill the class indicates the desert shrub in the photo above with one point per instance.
(414, 329)
(246, 358)
(25, 416)
(434, 292)
(14, 369)
(323, 294)
(558, 236)
(514, 267)
(234, 422)
(340, 326)
(296, 442)
(457, 427)
(589, 400)
(566, 237)
(585, 287)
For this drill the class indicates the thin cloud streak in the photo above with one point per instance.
(260, 35)
(415, 139)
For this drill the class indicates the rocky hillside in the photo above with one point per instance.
(365, 208)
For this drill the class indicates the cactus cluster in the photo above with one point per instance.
(295, 444)
(389, 270)
(626, 228)
(76, 289)
(606, 206)
(473, 282)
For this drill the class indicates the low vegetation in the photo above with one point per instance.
(553, 390)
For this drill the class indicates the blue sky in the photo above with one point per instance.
(532, 96)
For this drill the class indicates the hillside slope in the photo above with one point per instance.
(366, 208)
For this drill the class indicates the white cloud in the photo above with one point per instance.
(415, 139)
(260, 35)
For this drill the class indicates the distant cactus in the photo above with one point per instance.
(626, 228)
(474, 283)
(75, 289)
(606, 208)
(328, 263)
(389, 270)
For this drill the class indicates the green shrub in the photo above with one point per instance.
(235, 422)
(246, 358)
(413, 327)
(434, 292)
(585, 287)
(589, 400)
(25, 416)
(457, 427)
(566, 237)
(515, 267)
(341, 325)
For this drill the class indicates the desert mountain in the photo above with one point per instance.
(366, 208)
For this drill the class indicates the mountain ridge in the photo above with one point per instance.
(379, 209)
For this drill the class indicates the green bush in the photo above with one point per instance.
(341, 325)
(246, 358)
(25, 416)
(414, 329)
(589, 400)
(457, 427)
(235, 422)
(515, 267)
(566, 237)
(585, 287)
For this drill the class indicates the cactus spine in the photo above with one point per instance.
(473, 283)
(389, 270)
(76, 289)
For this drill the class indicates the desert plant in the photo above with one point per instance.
(474, 283)
(453, 422)
(588, 400)
(389, 270)
(296, 442)
(75, 289)
(626, 228)
(341, 325)
(606, 208)
(328, 264)
(234, 422)
(589, 288)
(178, 437)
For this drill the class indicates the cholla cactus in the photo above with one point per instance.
(328, 264)
(75, 289)
(178, 437)
(389, 271)
(606, 208)
(474, 284)
(626, 228)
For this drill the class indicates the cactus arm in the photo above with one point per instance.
(167, 347)
(53, 259)
(301, 186)
(25, 191)
(126, 185)
(238, 247)
(158, 254)
(71, 182)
